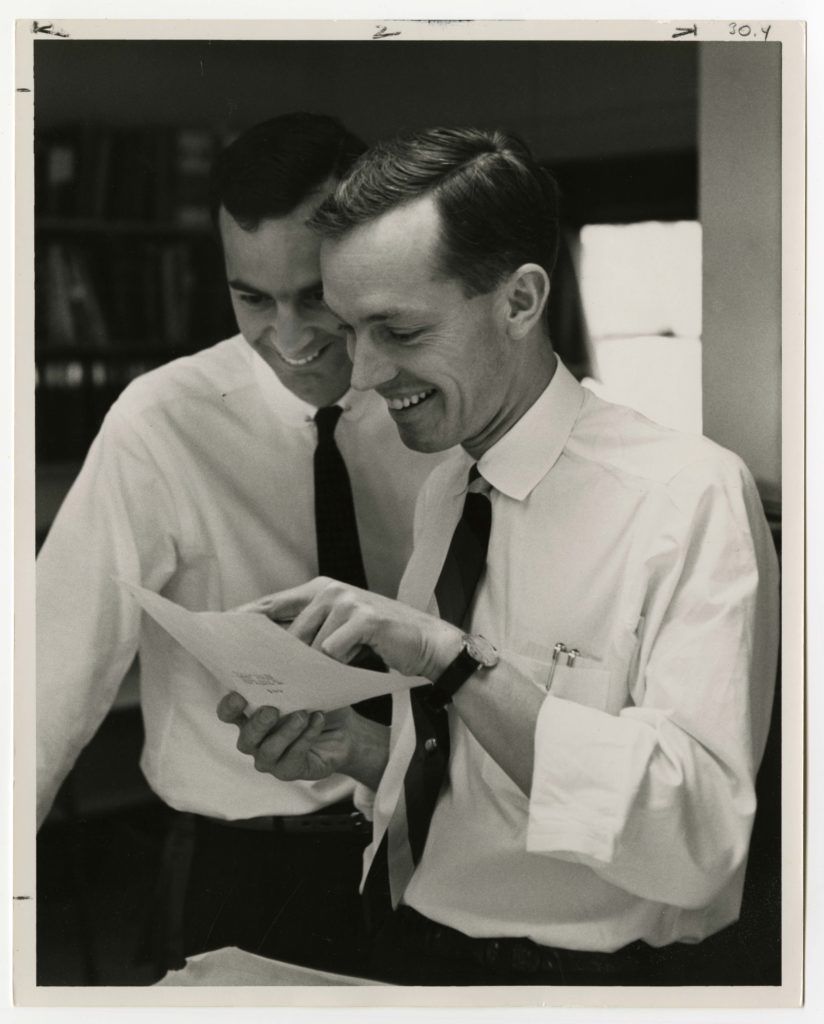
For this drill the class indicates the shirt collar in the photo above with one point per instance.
(293, 410)
(516, 463)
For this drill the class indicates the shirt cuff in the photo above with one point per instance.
(577, 784)
(364, 800)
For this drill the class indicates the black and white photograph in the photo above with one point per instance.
(414, 606)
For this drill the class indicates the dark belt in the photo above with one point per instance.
(317, 823)
(520, 956)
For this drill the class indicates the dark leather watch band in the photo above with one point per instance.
(476, 654)
(447, 685)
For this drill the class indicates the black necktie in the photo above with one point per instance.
(339, 552)
(336, 528)
(458, 580)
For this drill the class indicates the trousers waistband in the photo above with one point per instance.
(327, 820)
(520, 956)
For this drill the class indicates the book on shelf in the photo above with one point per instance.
(151, 293)
(69, 303)
(151, 290)
(156, 174)
(111, 304)
(90, 323)
(195, 153)
(155, 281)
(125, 286)
(171, 299)
(94, 147)
(56, 173)
(58, 328)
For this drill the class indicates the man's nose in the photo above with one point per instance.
(370, 366)
(292, 329)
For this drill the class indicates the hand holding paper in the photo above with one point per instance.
(273, 674)
(309, 746)
(264, 662)
(340, 620)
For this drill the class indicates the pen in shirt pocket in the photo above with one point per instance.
(572, 653)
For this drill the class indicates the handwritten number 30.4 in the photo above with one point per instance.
(746, 30)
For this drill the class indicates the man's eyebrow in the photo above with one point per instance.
(313, 286)
(389, 314)
(381, 315)
(239, 285)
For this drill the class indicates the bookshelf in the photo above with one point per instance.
(128, 271)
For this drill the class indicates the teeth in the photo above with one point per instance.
(302, 362)
(404, 403)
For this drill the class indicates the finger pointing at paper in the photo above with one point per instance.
(339, 620)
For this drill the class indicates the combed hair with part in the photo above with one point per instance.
(498, 207)
(269, 170)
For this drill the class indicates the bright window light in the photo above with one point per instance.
(641, 291)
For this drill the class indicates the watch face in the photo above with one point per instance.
(481, 650)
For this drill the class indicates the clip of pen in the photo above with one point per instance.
(557, 650)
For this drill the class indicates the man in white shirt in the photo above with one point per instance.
(201, 485)
(608, 678)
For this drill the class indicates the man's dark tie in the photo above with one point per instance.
(339, 551)
(464, 563)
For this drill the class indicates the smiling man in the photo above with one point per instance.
(248, 467)
(592, 598)
(274, 281)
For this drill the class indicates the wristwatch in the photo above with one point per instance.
(477, 654)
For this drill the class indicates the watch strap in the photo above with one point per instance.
(452, 678)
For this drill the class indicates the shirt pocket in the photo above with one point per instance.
(583, 685)
(589, 681)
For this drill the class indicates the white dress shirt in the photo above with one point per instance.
(200, 487)
(648, 551)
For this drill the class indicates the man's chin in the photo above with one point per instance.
(418, 440)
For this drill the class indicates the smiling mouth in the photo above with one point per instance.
(401, 402)
(305, 361)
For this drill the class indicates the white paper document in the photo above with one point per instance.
(232, 966)
(264, 663)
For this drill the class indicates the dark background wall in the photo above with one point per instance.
(569, 99)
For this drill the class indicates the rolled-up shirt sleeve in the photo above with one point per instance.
(659, 798)
(116, 522)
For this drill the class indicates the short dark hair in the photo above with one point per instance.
(498, 207)
(270, 169)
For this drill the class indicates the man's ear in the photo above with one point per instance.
(526, 293)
